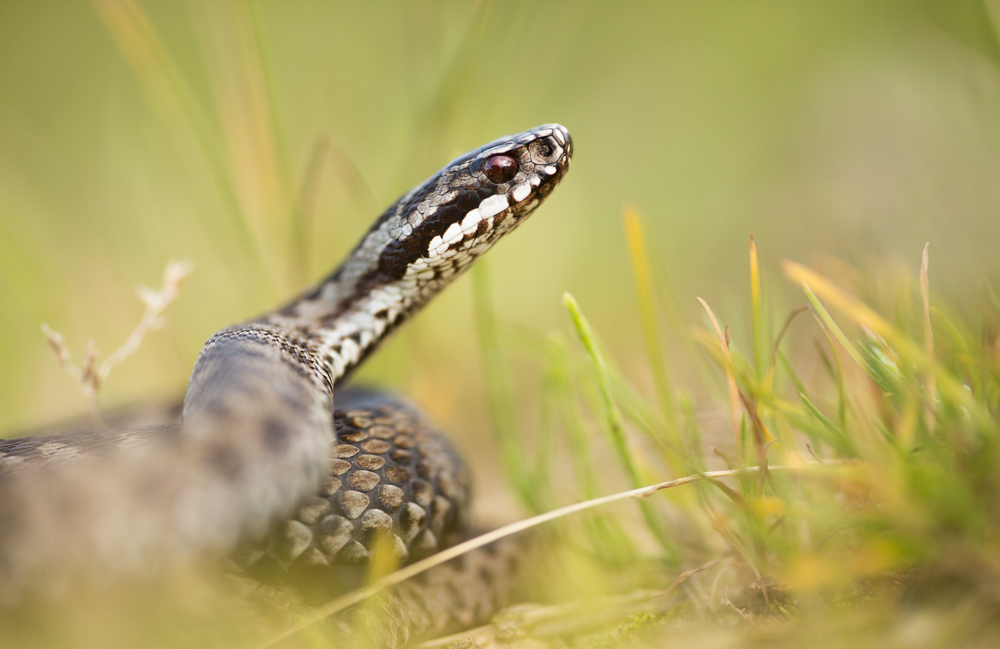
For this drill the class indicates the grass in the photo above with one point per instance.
(890, 525)
(832, 481)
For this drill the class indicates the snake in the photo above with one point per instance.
(272, 462)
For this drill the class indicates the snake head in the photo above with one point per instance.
(440, 227)
(518, 171)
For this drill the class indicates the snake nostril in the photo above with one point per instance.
(544, 149)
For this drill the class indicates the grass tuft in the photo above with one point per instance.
(897, 510)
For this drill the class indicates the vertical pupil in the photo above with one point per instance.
(500, 168)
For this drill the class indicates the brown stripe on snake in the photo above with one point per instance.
(253, 448)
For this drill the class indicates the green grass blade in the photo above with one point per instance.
(614, 425)
(833, 436)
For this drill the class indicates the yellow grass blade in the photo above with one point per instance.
(303, 214)
(848, 304)
(647, 307)
(759, 339)
(862, 315)
(929, 388)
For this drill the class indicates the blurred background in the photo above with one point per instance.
(260, 139)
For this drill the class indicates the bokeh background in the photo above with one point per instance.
(260, 139)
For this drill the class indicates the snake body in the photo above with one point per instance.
(260, 452)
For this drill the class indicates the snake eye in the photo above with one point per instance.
(500, 168)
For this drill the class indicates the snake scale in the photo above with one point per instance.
(271, 462)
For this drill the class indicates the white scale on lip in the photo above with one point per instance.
(493, 206)
(489, 208)
(452, 234)
(436, 247)
(471, 221)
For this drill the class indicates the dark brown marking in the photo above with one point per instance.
(276, 434)
(398, 474)
(376, 446)
(353, 436)
(344, 450)
(370, 462)
(226, 461)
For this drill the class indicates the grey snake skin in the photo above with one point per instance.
(262, 466)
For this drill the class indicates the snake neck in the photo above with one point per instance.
(336, 335)
(419, 245)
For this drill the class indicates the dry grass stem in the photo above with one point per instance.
(687, 574)
(84, 375)
(90, 376)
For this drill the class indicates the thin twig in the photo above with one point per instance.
(85, 377)
(90, 376)
(156, 303)
(772, 364)
(746, 616)
(687, 574)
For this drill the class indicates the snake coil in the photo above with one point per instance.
(258, 439)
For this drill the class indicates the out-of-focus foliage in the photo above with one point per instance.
(132, 133)
(259, 140)
(876, 513)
